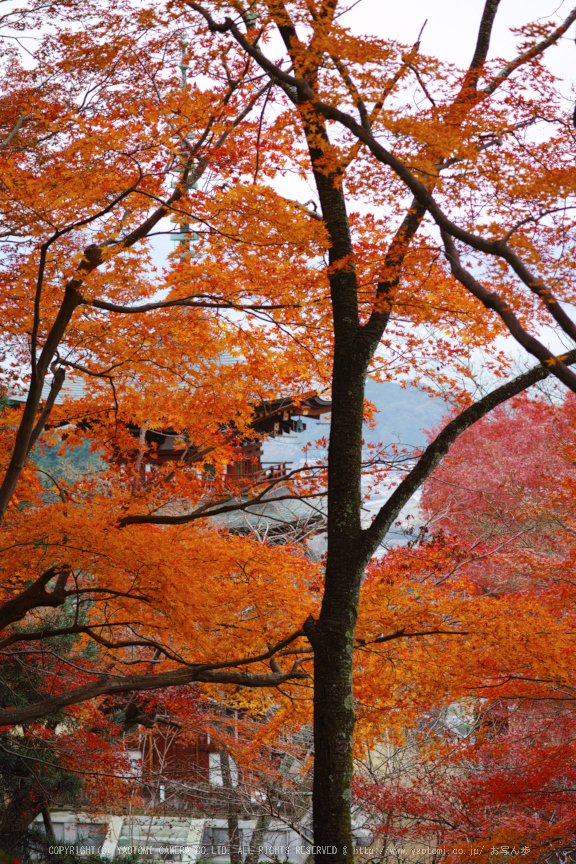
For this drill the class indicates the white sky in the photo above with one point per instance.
(450, 34)
(452, 26)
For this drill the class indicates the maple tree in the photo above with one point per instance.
(480, 170)
(254, 775)
(100, 589)
(496, 562)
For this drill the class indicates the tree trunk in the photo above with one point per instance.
(232, 809)
(47, 819)
(258, 838)
(332, 636)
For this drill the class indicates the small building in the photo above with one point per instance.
(175, 838)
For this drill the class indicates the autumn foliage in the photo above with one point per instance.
(484, 749)
(441, 220)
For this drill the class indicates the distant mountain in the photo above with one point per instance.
(404, 416)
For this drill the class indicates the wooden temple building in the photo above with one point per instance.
(271, 418)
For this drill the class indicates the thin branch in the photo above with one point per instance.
(61, 491)
(422, 83)
(492, 300)
(261, 121)
(206, 510)
(56, 386)
(402, 634)
(187, 302)
(79, 629)
(353, 90)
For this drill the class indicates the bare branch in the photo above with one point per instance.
(22, 119)
(36, 596)
(188, 302)
(56, 386)
(209, 510)
(492, 300)
(437, 449)
(533, 52)
(215, 673)
(78, 629)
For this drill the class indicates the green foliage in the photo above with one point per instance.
(69, 467)
(30, 772)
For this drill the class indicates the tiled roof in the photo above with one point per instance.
(73, 389)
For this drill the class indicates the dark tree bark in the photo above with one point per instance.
(349, 547)
(232, 808)
(258, 837)
(16, 815)
(332, 636)
(47, 819)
